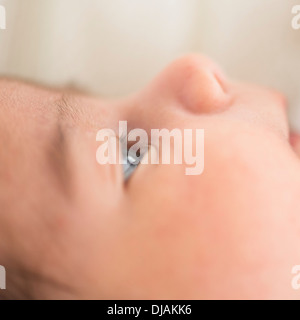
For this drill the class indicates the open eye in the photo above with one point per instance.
(132, 157)
(132, 162)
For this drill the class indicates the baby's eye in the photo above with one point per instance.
(133, 158)
(132, 162)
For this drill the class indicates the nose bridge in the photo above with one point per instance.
(198, 84)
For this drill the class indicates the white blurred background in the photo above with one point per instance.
(114, 47)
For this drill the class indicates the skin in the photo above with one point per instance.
(72, 229)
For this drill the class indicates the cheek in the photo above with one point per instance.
(263, 107)
(167, 210)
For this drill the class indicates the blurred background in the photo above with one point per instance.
(114, 47)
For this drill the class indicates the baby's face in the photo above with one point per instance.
(71, 228)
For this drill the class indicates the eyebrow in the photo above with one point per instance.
(66, 109)
(59, 158)
(59, 148)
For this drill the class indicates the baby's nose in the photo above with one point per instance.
(197, 83)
